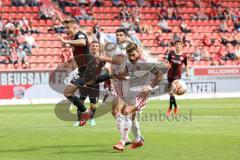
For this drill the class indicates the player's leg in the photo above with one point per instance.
(135, 128)
(126, 127)
(69, 94)
(171, 97)
(117, 107)
(93, 97)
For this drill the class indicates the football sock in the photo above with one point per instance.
(76, 101)
(136, 130)
(119, 121)
(127, 123)
(174, 102)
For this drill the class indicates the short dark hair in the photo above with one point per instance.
(131, 47)
(122, 30)
(178, 41)
(69, 20)
(95, 42)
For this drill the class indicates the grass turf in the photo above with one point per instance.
(33, 132)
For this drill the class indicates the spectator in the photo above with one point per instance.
(227, 14)
(136, 14)
(172, 3)
(0, 3)
(162, 13)
(157, 3)
(237, 51)
(82, 14)
(207, 41)
(214, 14)
(229, 54)
(224, 27)
(30, 41)
(159, 40)
(184, 27)
(163, 24)
(217, 57)
(9, 27)
(3, 60)
(12, 57)
(124, 14)
(215, 3)
(197, 54)
(171, 13)
(175, 38)
(3, 43)
(237, 24)
(1, 25)
(235, 14)
(117, 2)
(126, 23)
(22, 57)
(187, 41)
(197, 3)
(200, 15)
(205, 54)
(135, 26)
(146, 28)
(140, 3)
(97, 3)
(226, 38)
(46, 12)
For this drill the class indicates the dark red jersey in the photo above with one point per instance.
(81, 54)
(99, 65)
(176, 61)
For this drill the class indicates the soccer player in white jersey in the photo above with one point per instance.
(120, 81)
(139, 70)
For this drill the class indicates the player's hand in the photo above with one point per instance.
(146, 91)
(61, 39)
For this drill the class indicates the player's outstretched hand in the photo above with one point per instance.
(146, 91)
(60, 38)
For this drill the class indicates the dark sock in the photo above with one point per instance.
(76, 101)
(103, 78)
(174, 102)
(79, 113)
(93, 109)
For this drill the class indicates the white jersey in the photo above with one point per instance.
(120, 86)
(141, 74)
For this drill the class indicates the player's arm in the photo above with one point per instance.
(77, 42)
(118, 59)
(59, 16)
(158, 78)
(187, 67)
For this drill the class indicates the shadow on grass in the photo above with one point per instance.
(86, 149)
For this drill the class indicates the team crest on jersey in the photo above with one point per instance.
(81, 36)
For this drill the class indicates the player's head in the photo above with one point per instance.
(95, 46)
(179, 46)
(71, 26)
(133, 52)
(121, 35)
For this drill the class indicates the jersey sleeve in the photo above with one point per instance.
(80, 35)
(168, 57)
(185, 60)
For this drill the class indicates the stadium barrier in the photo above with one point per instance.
(32, 87)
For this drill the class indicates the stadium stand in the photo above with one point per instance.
(214, 28)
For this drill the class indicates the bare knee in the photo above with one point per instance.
(127, 111)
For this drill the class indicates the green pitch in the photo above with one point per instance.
(208, 129)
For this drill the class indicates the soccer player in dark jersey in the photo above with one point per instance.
(92, 91)
(175, 60)
(85, 62)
